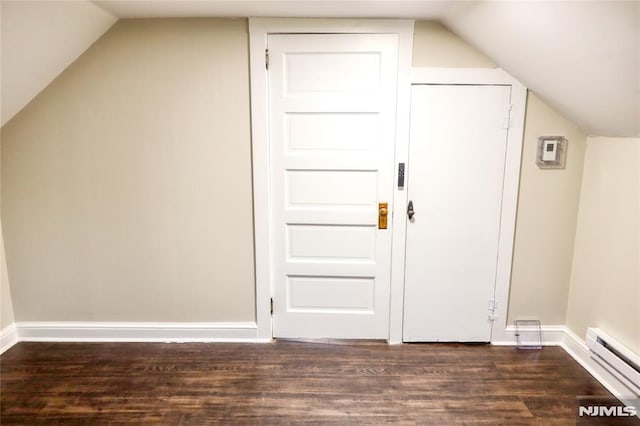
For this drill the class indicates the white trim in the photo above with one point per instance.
(494, 76)
(340, 26)
(398, 225)
(259, 28)
(261, 173)
(71, 331)
(513, 161)
(8, 337)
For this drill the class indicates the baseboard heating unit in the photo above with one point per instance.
(621, 362)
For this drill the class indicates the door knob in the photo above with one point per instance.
(410, 211)
(383, 212)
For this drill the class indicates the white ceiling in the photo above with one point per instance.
(283, 8)
(582, 57)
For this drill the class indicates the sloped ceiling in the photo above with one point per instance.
(581, 57)
(39, 39)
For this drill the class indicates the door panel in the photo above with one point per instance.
(321, 72)
(333, 131)
(332, 103)
(332, 187)
(456, 171)
(331, 295)
(332, 243)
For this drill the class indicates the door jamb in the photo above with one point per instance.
(493, 77)
(259, 29)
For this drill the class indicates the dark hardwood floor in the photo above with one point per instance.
(289, 382)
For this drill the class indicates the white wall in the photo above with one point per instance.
(39, 39)
(605, 280)
(126, 184)
(546, 220)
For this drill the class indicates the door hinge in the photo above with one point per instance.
(493, 305)
(506, 122)
(271, 301)
(266, 58)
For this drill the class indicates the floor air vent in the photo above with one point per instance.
(615, 357)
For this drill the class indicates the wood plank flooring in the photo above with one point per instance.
(287, 382)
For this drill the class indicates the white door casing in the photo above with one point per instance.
(457, 155)
(332, 104)
(259, 31)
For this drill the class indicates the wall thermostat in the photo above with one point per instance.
(551, 152)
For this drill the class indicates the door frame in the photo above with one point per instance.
(513, 159)
(259, 30)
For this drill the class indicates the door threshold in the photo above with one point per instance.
(448, 343)
(332, 341)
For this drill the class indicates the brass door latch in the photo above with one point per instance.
(383, 212)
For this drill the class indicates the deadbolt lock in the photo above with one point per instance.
(383, 213)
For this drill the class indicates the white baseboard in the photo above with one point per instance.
(8, 337)
(137, 332)
(552, 335)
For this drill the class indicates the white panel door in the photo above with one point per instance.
(332, 103)
(456, 171)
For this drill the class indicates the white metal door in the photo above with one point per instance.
(455, 178)
(332, 102)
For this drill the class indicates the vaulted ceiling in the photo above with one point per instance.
(583, 58)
